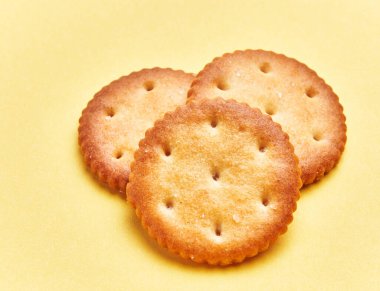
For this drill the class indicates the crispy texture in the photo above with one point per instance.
(294, 95)
(117, 117)
(215, 181)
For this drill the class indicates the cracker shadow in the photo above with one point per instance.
(102, 187)
(306, 190)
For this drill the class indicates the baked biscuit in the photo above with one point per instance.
(215, 181)
(117, 117)
(295, 97)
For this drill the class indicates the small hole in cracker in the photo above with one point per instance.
(316, 136)
(265, 201)
(265, 68)
(149, 85)
(167, 150)
(218, 229)
(110, 112)
(118, 155)
(215, 175)
(311, 92)
(269, 109)
(222, 85)
(214, 123)
(169, 203)
(262, 148)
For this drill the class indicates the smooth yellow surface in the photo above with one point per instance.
(60, 230)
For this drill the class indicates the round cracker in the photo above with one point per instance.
(215, 181)
(293, 94)
(117, 117)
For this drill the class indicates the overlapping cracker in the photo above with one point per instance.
(215, 181)
(117, 117)
(293, 94)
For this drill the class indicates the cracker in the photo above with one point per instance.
(117, 117)
(293, 94)
(215, 181)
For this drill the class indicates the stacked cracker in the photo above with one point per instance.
(216, 179)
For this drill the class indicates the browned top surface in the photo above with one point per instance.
(117, 117)
(215, 181)
(305, 106)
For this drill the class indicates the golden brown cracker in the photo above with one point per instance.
(293, 94)
(116, 119)
(215, 181)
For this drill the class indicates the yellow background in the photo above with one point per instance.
(60, 230)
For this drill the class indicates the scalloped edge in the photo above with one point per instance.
(319, 174)
(260, 248)
(94, 164)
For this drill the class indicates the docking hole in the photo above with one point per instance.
(169, 203)
(218, 229)
(167, 150)
(222, 85)
(317, 136)
(110, 112)
(269, 109)
(214, 122)
(118, 154)
(265, 201)
(265, 68)
(215, 175)
(149, 85)
(311, 92)
(262, 148)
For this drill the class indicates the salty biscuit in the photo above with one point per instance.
(215, 181)
(117, 117)
(293, 94)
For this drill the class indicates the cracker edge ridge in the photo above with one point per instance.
(96, 166)
(279, 230)
(320, 173)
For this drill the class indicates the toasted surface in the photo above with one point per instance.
(215, 181)
(293, 94)
(117, 117)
